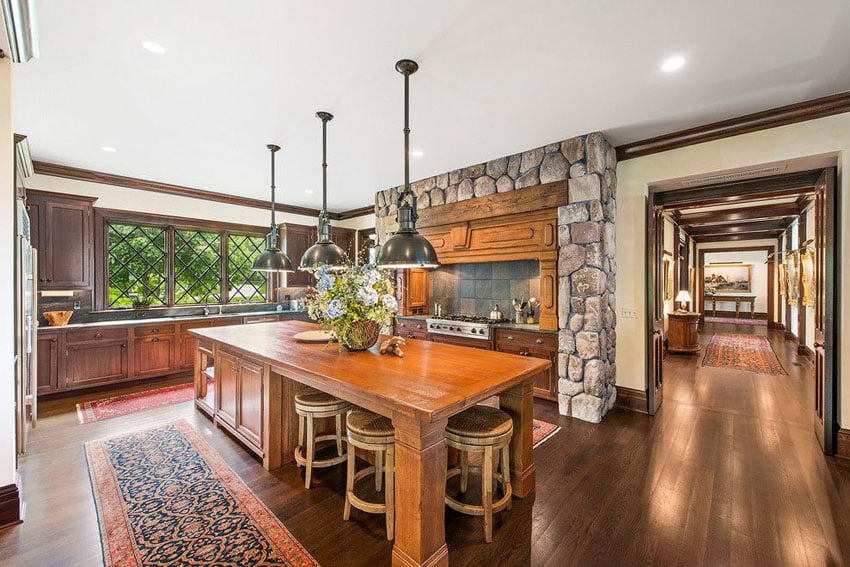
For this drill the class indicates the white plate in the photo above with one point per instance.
(314, 336)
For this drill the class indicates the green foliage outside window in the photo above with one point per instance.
(137, 260)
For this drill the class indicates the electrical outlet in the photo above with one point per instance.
(76, 305)
(628, 313)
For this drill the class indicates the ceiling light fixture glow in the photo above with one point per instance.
(153, 47)
(673, 64)
(417, 153)
(109, 149)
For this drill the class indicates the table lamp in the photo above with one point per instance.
(683, 297)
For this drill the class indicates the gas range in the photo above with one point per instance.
(458, 325)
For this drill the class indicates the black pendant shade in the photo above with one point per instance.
(272, 260)
(324, 252)
(407, 248)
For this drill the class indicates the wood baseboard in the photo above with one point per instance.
(789, 336)
(731, 314)
(631, 399)
(10, 505)
(842, 448)
(775, 326)
(803, 350)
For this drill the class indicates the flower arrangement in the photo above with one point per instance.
(355, 303)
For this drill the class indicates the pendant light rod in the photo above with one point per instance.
(325, 117)
(406, 67)
(272, 149)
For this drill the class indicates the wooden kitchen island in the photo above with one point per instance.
(418, 392)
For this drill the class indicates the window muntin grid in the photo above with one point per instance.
(197, 267)
(243, 284)
(136, 264)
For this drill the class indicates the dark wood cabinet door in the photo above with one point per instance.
(538, 345)
(187, 344)
(69, 244)
(94, 364)
(417, 291)
(227, 378)
(47, 363)
(35, 209)
(298, 239)
(250, 411)
(153, 355)
(344, 238)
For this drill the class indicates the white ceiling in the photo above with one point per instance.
(496, 77)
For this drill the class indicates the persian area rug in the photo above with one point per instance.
(733, 321)
(107, 408)
(542, 431)
(752, 353)
(165, 497)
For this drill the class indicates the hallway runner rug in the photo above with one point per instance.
(734, 321)
(751, 353)
(542, 431)
(165, 497)
(107, 408)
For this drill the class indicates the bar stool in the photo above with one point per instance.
(371, 432)
(311, 404)
(481, 429)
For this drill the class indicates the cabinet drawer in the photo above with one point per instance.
(543, 341)
(96, 334)
(412, 328)
(259, 319)
(151, 330)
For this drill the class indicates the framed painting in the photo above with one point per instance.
(807, 278)
(783, 281)
(669, 277)
(726, 278)
(792, 275)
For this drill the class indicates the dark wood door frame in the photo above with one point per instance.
(700, 283)
(827, 338)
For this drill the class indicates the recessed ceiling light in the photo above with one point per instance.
(673, 64)
(309, 191)
(153, 47)
(109, 149)
(417, 153)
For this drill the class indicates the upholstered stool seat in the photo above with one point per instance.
(311, 404)
(371, 432)
(482, 429)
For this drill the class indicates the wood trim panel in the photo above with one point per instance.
(782, 185)
(10, 505)
(775, 326)
(790, 114)
(737, 237)
(842, 448)
(354, 213)
(55, 195)
(631, 399)
(179, 222)
(686, 219)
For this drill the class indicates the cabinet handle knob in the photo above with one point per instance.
(154, 330)
(539, 341)
(155, 340)
(123, 345)
(510, 337)
(50, 280)
(419, 326)
(98, 335)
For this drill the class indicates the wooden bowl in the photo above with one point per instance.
(57, 318)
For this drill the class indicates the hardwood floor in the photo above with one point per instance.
(729, 472)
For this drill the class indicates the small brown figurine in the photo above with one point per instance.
(393, 346)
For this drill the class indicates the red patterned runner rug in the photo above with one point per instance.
(542, 431)
(107, 408)
(751, 353)
(734, 321)
(165, 497)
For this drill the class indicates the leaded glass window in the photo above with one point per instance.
(136, 264)
(243, 284)
(197, 267)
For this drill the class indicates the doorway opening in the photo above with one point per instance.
(742, 297)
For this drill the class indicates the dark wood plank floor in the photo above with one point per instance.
(728, 473)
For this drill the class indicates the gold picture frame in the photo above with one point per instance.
(792, 273)
(728, 278)
(783, 282)
(669, 277)
(807, 278)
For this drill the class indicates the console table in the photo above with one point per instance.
(738, 299)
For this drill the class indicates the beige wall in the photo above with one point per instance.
(829, 135)
(7, 284)
(746, 244)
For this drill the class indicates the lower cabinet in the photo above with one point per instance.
(47, 363)
(240, 396)
(538, 345)
(94, 364)
(154, 356)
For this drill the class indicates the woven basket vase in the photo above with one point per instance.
(362, 335)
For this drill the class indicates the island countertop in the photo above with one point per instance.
(419, 392)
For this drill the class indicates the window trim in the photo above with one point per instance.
(172, 223)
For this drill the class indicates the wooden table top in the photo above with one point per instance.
(431, 382)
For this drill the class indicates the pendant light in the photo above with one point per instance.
(272, 260)
(407, 248)
(324, 252)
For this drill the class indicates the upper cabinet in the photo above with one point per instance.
(61, 231)
(298, 239)
(344, 238)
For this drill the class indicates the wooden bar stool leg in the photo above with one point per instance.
(505, 468)
(389, 497)
(339, 434)
(349, 484)
(487, 492)
(311, 450)
(301, 442)
(464, 471)
(379, 457)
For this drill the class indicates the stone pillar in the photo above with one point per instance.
(587, 275)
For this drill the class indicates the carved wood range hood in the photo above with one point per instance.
(519, 225)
